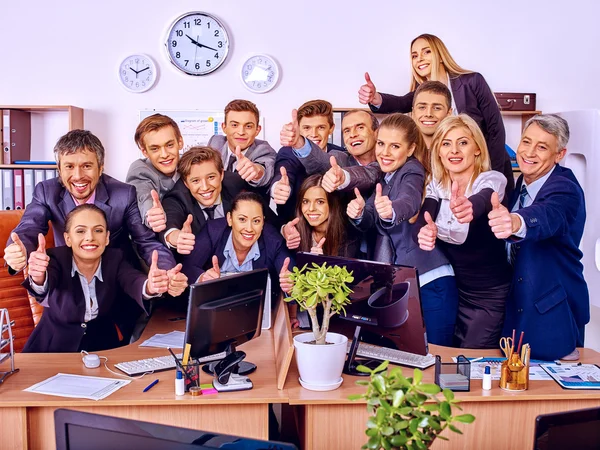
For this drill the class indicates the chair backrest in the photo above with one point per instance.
(578, 429)
(23, 309)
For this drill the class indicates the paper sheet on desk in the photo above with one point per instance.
(78, 386)
(536, 373)
(174, 339)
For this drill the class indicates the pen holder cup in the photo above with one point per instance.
(514, 374)
(192, 378)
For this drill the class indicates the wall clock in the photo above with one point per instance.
(260, 73)
(137, 73)
(197, 43)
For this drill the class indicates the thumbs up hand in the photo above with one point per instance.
(291, 234)
(428, 234)
(318, 249)
(285, 283)
(177, 281)
(246, 169)
(368, 94)
(38, 262)
(158, 280)
(460, 205)
(185, 239)
(501, 221)
(282, 189)
(289, 136)
(383, 204)
(334, 177)
(156, 217)
(15, 254)
(213, 273)
(355, 208)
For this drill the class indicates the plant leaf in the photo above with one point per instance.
(445, 410)
(443, 438)
(417, 376)
(387, 431)
(371, 423)
(355, 397)
(453, 428)
(413, 425)
(398, 440)
(379, 383)
(381, 367)
(372, 432)
(374, 442)
(465, 418)
(363, 369)
(429, 388)
(385, 443)
(448, 394)
(431, 407)
(362, 382)
(401, 425)
(397, 397)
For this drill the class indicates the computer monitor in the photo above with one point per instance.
(579, 429)
(386, 303)
(223, 313)
(77, 430)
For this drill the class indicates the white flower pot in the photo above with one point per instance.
(320, 366)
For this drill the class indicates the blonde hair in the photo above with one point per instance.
(439, 54)
(482, 161)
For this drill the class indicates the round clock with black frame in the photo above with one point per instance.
(197, 43)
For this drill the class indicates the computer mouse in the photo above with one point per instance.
(91, 361)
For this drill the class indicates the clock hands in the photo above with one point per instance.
(140, 71)
(199, 44)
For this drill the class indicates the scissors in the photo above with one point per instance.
(506, 344)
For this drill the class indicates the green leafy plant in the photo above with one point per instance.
(321, 285)
(401, 417)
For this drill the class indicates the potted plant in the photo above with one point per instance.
(401, 417)
(320, 355)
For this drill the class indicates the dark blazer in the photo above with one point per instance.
(405, 190)
(52, 202)
(212, 241)
(296, 174)
(473, 97)
(549, 298)
(61, 328)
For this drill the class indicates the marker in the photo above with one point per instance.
(150, 386)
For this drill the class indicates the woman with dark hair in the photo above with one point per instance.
(320, 226)
(431, 60)
(241, 242)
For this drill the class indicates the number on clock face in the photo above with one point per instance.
(197, 44)
(137, 73)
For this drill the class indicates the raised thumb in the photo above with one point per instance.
(154, 264)
(294, 116)
(16, 239)
(333, 162)
(428, 218)
(495, 200)
(284, 177)
(41, 243)
(238, 153)
(295, 221)
(368, 78)
(454, 190)
(187, 225)
(155, 199)
(378, 190)
(357, 193)
(215, 263)
(286, 263)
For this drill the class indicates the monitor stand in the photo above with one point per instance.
(352, 361)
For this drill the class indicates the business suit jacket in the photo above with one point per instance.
(61, 327)
(296, 174)
(212, 241)
(549, 298)
(473, 97)
(405, 190)
(52, 202)
(364, 178)
(259, 152)
(144, 177)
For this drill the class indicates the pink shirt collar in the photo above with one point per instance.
(90, 200)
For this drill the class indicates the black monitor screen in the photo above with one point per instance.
(568, 430)
(225, 311)
(379, 284)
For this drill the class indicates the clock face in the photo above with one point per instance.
(137, 73)
(197, 43)
(260, 73)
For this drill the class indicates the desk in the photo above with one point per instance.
(27, 419)
(328, 420)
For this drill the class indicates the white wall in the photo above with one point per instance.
(67, 52)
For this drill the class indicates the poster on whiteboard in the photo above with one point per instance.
(197, 127)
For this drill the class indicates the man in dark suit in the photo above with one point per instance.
(549, 299)
(315, 122)
(80, 157)
(250, 158)
(160, 141)
(203, 192)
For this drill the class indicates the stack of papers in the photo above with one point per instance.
(454, 381)
(78, 386)
(174, 339)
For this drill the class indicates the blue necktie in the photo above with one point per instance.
(514, 248)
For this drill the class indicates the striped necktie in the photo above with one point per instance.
(514, 248)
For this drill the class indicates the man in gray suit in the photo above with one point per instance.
(252, 159)
(160, 141)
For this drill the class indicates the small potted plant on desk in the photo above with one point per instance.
(401, 418)
(320, 355)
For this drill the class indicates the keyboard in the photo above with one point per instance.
(394, 356)
(133, 368)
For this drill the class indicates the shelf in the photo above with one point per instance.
(75, 114)
(28, 166)
(519, 113)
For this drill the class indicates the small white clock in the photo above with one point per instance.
(260, 73)
(197, 43)
(137, 73)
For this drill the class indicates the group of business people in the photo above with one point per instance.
(433, 190)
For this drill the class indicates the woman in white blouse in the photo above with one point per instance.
(454, 216)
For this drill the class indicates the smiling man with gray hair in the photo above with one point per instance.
(549, 299)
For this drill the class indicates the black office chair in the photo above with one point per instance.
(579, 429)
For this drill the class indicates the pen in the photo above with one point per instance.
(185, 374)
(150, 386)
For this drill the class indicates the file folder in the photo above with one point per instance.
(19, 189)
(7, 189)
(28, 185)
